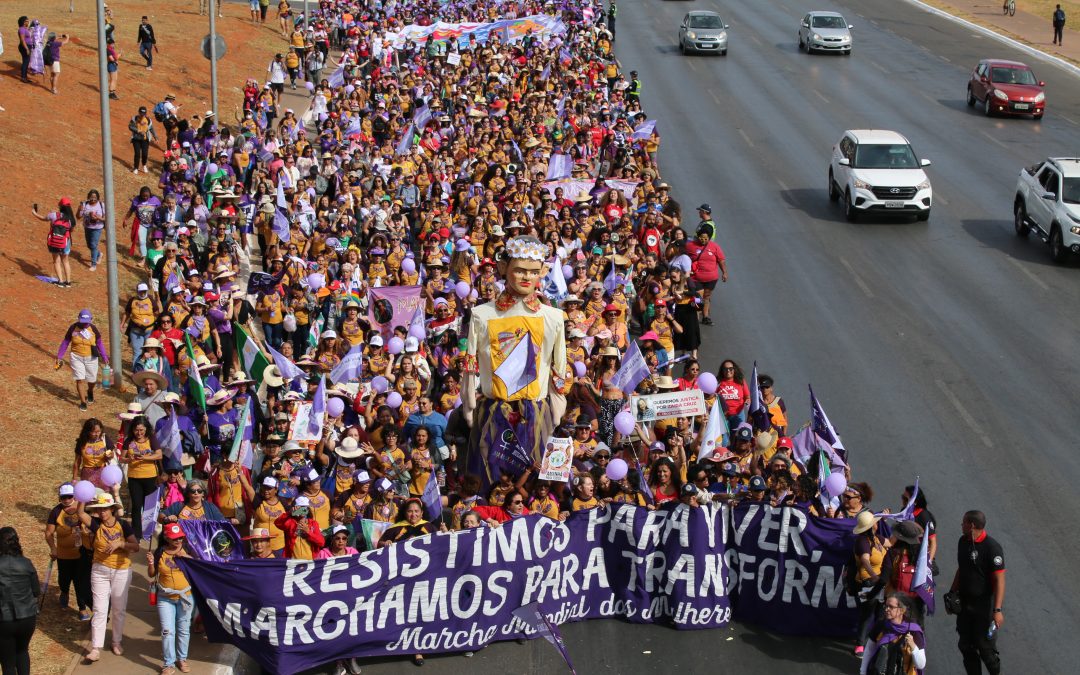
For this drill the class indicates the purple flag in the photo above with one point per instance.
(923, 581)
(393, 306)
(281, 224)
(289, 370)
(171, 282)
(213, 540)
(560, 166)
(643, 485)
(532, 617)
(337, 78)
(644, 130)
(350, 367)
(758, 413)
(908, 513)
(823, 427)
(632, 371)
(432, 498)
(560, 107)
(261, 282)
(151, 504)
(354, 126)
(405, 145)
(421, 117)
(318, 408)
(547, 72)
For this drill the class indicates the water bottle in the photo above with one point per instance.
(440, 478)
(153, 595)
(992, 631)
(106, 376)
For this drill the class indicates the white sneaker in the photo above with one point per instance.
(135, 171)
(146, 169)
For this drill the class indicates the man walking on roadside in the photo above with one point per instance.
(1059, 24)
(147, 42)
(979, 584)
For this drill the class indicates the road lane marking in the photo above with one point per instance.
(964, 414)
(994, 139)
(693, 66)
(755, 39)
(821, 96)
(783, 185)
(1028, 273)
(745, 137)
(1068, 119)
(939, 198)
(858, 280)
(878, 66)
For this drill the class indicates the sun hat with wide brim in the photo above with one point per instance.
(142, 376)
(348, 448)
(610, 351)
(101, 501)
(258, 533)
(134, 410)
(151, 343)
(220, 396)
(665, 382)
(272, 377)
(238, 379)
(865, 521)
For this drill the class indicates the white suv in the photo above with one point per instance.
(877, 171)
(1048, 202)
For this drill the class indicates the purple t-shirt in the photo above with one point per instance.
(144, 210)
(26, 36)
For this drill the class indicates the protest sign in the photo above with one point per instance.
(556, 463)
(689, 403)
(300, 429)
(457, 591)
(393, 306)
(453, 58)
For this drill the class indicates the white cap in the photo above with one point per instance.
(302, 501)
(312, 475)
(67, 490)
(269, 482)
(329, 334)
(142, 287)
(338, 528)
(412, 344)
(376, 341)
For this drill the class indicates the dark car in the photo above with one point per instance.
(1006, 88)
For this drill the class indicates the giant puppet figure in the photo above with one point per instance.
(516, 361)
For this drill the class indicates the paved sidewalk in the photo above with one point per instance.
(1034, 30)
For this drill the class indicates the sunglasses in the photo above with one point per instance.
(602, 455)
(196, 491)
(516, 502)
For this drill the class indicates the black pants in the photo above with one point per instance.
(299, 339)
(1057, 33)
(76, 571)
(868, 614)
(15, 645)
(971, 625)
(142, 152)
(139, 488)
(24, 69)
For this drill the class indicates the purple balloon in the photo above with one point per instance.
(473, 295)
(380, 384)
(310, 86)
(316, 281)
(394, 400)
(112, 475)
(567, 272)
(211, 168)
(395, 345)
(616, 469)
(408, 266)
(349, 89)
(707, 383)
(419, 332)
(335, 406)
(462, 289)
(624, 423)
(85, 491)
(835, 484)
(579, 368)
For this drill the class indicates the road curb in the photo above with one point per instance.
(1033, 51)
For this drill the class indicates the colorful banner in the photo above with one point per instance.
(689, 403)
(572, 188)
(213, 540)
(557, 463)
(393, 306)
(541, 25)
(457, 591)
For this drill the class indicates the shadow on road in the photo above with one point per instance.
(999, 234)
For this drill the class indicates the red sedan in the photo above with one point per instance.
(1006, 88)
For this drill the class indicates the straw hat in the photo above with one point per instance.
(151, 343)
(348, 448)
(142, 376)
(864, 521)
(665, 382)
(101, 501)
(610, 351)
(272, 377)
(220, 396)
(134, 409)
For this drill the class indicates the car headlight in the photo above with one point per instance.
(925, 185)
(1075, 229)
(1040, 98)
(722, 35)
(863, 185)
(817, 36)
(691, 34)
(1001, 95)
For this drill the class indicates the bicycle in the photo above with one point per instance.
(1009, 7)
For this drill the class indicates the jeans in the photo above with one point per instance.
(93, 238)
(299, 339)
(274, 333)
(77, 572)
(142, 152)
(15, 645)
(110, 587)
(144, 232)
(174, 613)
(139, 489)
(146, 50)
(137, 338)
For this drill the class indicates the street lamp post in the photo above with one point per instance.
(213, 60)
(115, 345)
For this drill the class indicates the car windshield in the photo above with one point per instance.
(706, 21)
(828, 22)
(882, 156)
(1071, 193)
(1003, 75)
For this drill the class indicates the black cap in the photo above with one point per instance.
(688, 490)
(743, 434)
(757, 484)
(583, 422)
(705, 207)
(729, 469)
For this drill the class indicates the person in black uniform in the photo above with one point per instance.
(979, 584)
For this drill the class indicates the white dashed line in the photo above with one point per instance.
(783, 185)
(745, 137)
(964, 414)
(993, 139)
(821, 96)
(1029, 274)
(858, 280)
(878, 66)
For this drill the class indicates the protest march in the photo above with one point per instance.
(416, 369)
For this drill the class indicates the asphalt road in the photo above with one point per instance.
(947, 349)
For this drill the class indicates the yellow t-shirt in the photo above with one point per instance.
(320, 509)
(142, 312)
(93, 454)
(265, 515)
(67, 526)
(141, 468)
(230, 494)
(119, 559)
(82, 341)
(270, 309)
(419, 476)
(170, 576)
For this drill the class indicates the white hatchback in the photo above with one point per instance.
(874, 170)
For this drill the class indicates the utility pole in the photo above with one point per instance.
(213, 61)
(115, 344)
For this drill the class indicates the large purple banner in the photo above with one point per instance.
(393, 306)
(455, 592)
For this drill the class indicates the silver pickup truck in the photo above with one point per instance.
(1048, 204)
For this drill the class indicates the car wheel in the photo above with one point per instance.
(847, 53)
(970, 98)
(723, 52)
(849, 208)
(987, 110)
(800, 41)
(809, 48)
(682, 47)
(1020, 221)
(834, 194)
(1058, 252)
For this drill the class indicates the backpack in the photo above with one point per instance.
(58, 234)
(47, 53)
(160, 112)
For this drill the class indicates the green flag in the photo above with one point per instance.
(251, 357)
(195, 383)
